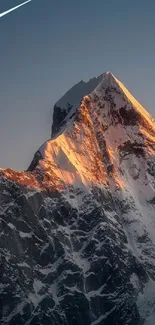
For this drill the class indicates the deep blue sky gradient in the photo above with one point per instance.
(47, 46)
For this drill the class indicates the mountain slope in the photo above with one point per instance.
(78, 228)
(66, 107)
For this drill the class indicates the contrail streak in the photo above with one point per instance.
(8, 11)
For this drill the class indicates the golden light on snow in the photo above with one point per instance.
(87, 152)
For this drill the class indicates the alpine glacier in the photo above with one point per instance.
(77, 229)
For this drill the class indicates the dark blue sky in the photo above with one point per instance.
(47, 46)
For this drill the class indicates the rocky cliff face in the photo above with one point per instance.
(78, 228)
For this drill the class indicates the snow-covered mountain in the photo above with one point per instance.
(78, 227)
(66, 107)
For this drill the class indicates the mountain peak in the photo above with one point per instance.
(109, 80)
(66, 107)
(81, 219)
(107, 121)
(106, 87)
(108, 74)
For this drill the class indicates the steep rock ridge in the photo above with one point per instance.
(78, 228)
(65, 108)
(108, 124)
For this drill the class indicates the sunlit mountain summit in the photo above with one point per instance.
(78, 227)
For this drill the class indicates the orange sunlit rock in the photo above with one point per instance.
(91, 148)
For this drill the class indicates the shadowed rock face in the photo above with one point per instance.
(77, 230)
(65, 108)
(62, 267)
